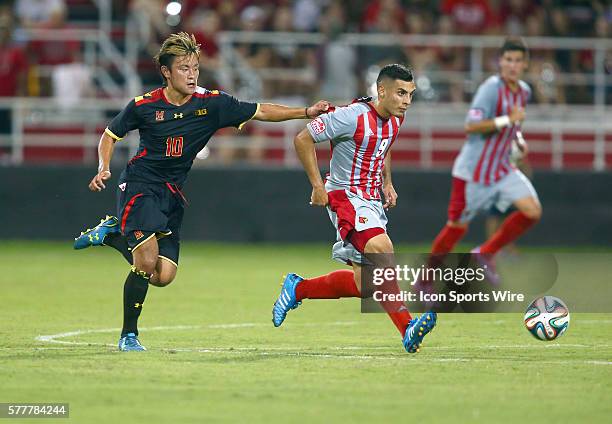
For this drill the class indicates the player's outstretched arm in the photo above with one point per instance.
(305, 148)
(388, 189)
(276, 113)
(487, 126)
(106, 146)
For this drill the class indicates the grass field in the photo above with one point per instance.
(214, 355)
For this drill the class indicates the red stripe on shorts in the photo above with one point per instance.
(359, 239)
(345, 212)
(127, 209)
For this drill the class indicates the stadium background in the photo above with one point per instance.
(70, 65)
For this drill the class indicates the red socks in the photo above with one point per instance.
(398, 313)
(341, 283)
(446, 240)
(334, 285)
(511, 229)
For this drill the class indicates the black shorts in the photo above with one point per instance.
(151, 210)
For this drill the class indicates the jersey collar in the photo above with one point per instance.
(373, 109)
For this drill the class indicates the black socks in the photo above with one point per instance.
(134, 293)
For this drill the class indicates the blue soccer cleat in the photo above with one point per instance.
(95, 236)
(286, 300)
(417, 329)
(129, 343)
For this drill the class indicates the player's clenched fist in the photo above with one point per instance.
(318, 108)
(390, 196)
(97, 182)
(319, 197)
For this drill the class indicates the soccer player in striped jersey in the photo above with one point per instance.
(483, 174)
(361, 136)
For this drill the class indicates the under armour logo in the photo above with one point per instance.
(178, 115)
(92, 236)
(137, 305)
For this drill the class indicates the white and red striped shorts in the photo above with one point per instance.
(469, 198)
(351, 214)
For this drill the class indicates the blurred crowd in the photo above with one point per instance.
(48, 68)
(572, 18)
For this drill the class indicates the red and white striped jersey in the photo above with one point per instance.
(485, 158)
(360, 140)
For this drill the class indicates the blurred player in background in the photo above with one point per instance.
(361, 136)
(175, 122)
(483, 174)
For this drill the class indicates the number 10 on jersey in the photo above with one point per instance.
(174, 146)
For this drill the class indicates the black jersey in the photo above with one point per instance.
(171, 136)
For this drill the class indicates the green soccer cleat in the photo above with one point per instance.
(95, 236)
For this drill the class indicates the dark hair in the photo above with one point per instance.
(395, 71)
(513, 44)
(181, 44)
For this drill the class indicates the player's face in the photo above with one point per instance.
(396, 96)
(183, 74)
(512, 65)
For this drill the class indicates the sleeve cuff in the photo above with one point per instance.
(112, 134)
(256, 110)
(316, 137)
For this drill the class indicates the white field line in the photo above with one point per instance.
(302, 351)
(53, 338)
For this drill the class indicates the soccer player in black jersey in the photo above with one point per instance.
(175, 122)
